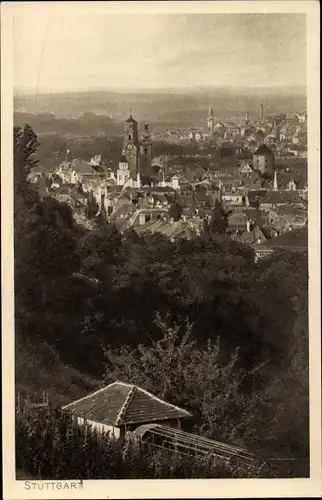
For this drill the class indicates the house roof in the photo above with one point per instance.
(120, 403)
(297, 238)
(291, 210)
(263, 150)
(281, 197)
(123, 210)
(256, 194)
(145, 227)
(82, 167)
(252, 236)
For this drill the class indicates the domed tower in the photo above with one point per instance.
(145, 152)
(131, 146)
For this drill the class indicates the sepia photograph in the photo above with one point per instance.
(160, 239)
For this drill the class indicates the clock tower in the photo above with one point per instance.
(131, 147)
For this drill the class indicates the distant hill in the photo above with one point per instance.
(168, 107)
(84, 125)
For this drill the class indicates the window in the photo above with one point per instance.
(145, 151)
(130, 137)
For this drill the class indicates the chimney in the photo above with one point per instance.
(248, 226)
(261, 112)
(138, 180)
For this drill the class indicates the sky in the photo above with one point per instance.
(64, 52)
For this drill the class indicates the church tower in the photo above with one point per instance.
(145, 152)
(131, 146)
(210, 122)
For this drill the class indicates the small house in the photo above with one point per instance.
(120, 408)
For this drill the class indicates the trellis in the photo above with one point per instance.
(187, 444)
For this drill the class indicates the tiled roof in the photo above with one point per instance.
(252, 236)
(152, 228)
(123, 210)
(255, 194)
(281, 197)
(82, 167)
(171, 229)
(290, 210)
(145, 227)
(263, 150)
(120, 404)
(297, 238)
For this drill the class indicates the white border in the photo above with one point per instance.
(201, 488)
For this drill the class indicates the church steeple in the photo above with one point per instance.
(131, 143)
(210, 122)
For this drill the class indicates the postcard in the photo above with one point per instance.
(161, 249)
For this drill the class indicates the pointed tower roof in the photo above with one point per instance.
(130, 119)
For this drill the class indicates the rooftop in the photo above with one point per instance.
(120, 403)
(82, 167)
(282, 196)
(296, 239)
(263, 150)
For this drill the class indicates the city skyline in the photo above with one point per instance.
(126, 52)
